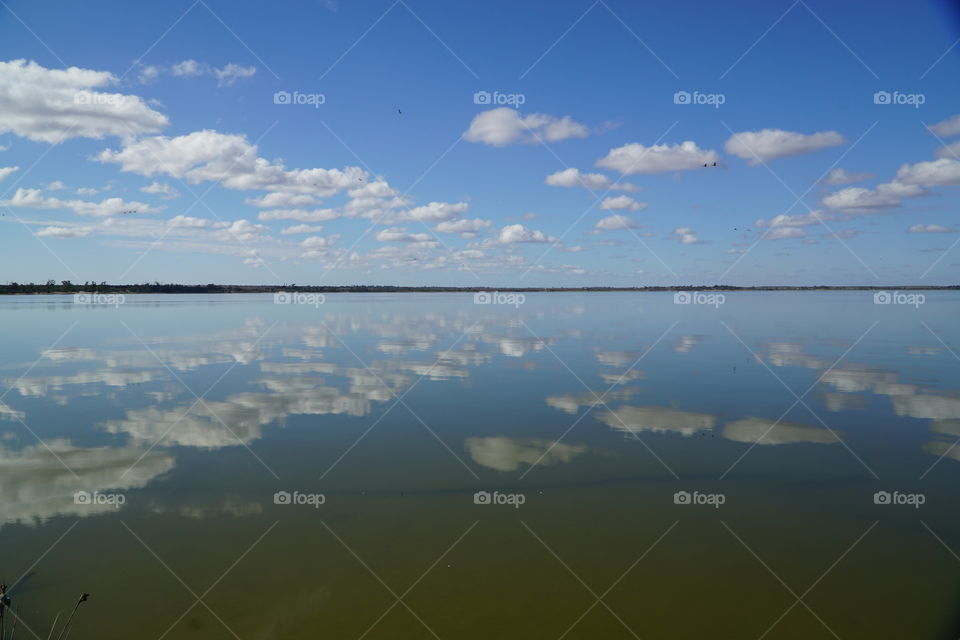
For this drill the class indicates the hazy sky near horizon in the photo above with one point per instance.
(423, 142)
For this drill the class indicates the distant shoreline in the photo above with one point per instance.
(65, 288)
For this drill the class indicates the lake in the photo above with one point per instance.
(551, 465)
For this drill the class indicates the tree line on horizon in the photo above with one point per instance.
(68, 287)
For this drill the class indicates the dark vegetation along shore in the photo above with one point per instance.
(65, 286)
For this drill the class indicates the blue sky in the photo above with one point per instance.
(155, 143)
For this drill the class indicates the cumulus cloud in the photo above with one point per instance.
(759, 146)
(34, 199)
(935, 173)
(635, 158)
(517, 233)
(621, 202)
(840, 176)
(686, 235)
(432, 212)
(573, 177)
(502, 126)
(280, 199)
(948, 127)
(930, 228)
(161, 189)
(611, 223)
(6, 171)
(951, 150)
(64, 232)
(463, 226)
(208, 155)
(508, 454)
(799, 220)
(301, 228)
(400, 234)
(860, 200)
(51, 105)
(299, 215)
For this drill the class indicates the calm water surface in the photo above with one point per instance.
(600, 465)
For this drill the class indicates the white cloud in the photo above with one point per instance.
(613, 222)
(208, 155)
(50, 105)
(517, 233)
(56, 185)
(300, 215)
(930, 228)
(860, 200)
(785, 233)
(64, 232)
(467, 228)
(226, 76)
(34, 199)
(433, 212)
(318, 246)
(301, 228)
(187, 69)
(948, 127)
(87, 191)
(759, 146)
(503, 126)
(6, 171)
(799, 220)
(951, 150)
(572, 177)
(686, 235)
(508, 454)
(242, 231)
(146, 74)
(635, 158)
(280, 199)
(189, 222)
(161, 189)
(400, 234)
(841, 176)
(231, 73)
(935, 173)
(621, 202)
